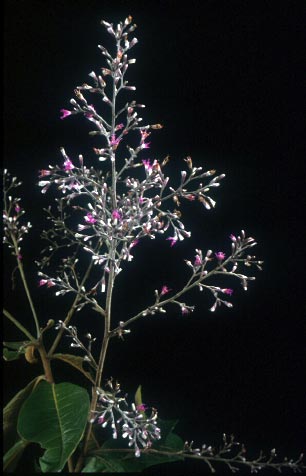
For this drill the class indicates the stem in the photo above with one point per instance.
(45, 361)
(20, 267)
(102, 357)
(190, 285)
(17, 324)
(70, 313)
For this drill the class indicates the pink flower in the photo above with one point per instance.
(48, 282)
(147, 165)
(184, 310)
(227, 291)
(68, 165)
(89, 218)
(116, 215)
(144, 135)
(145, 145)
(101, 420)
(65, 113)
(164, 290)
(134, 243)
(17, 208)
(142, 407)
(197, 261)
(220, 255)
(190, 197)
(119, 126)
(233, 238)
(43, 172)
(173, 240)
(114, 141)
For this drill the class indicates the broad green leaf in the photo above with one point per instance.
(99, 464)
(11, 410)
(75, 361)
(12, 456)
(54, 416)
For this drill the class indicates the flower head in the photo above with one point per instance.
(220, 255)
(172, 239)
(65, 113)
(44, 173)
(89, 218)
(164, 290)
(116, 215)
(227, 291)
(114, 141)
(68, 165)
(197, 261)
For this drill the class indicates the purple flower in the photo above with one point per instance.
(134, 243)
(145, 145)
(43, 172)
(173, 240)
(65, 113)
(164, 290)
(142, 407)
(114, 141)
(227, 291)
(68, 165)
(147, 165)
(197, 261)
(116, 215)
(220, 255)
(48, 282)
(89, 218)
(17, 208)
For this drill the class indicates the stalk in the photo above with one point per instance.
(24, 281)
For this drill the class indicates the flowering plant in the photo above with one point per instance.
(99, 217)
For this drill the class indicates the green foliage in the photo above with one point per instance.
(76, 362)
(10, 414)
(13, 350)
(54, 416)
(119, 459)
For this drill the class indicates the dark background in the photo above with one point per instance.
(225, 80)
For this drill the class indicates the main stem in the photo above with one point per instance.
(110, 285)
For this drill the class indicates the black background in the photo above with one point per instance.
(225, 80)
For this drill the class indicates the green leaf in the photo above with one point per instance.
(75, 361)
(54, 416)
(13, 350)
(12, 456)
(16, 345)
(99, 464)
(170, 443)
(138, 396)
(11, 410)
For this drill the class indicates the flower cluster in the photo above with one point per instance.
(13, 229)
(115, 209)
(132, 423)
(233, 455)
